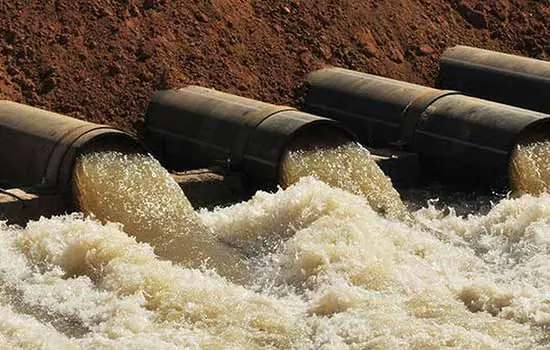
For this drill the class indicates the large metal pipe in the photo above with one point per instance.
(199, 127)
(505, 78)
(372, 106)
(38, 148)
(458, 137)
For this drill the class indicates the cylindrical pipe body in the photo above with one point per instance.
(199, 127)
(505, 78)
(458, 137)
(39, 147)
(371, 106)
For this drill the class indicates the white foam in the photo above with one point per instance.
(335, 275)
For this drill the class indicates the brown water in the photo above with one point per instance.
(530, 166)
(343, 164)
(133, 189)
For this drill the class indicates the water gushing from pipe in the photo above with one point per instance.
(343, 164)
(530, 166)
(133, 189)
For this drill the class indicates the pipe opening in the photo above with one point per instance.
(116, 180)
(105, 140)
(331, 156)
(315, 133)
(529, 160)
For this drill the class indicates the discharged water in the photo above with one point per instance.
(342, 276)
(133, 189)
(338, 270)
(343, 164)
(530, 166)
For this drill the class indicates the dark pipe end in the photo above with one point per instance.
(536, 131)
(319, 133)
(102, 139)
(275, 135)
(208, 126)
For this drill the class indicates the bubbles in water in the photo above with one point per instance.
(133, 189)
(344, 164)
(530, 166)
(341, 276)
(328, 270)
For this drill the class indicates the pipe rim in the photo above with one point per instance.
(329, 124)
(535, 129)
(319, 122)
(79, 146)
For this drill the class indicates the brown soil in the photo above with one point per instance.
(102, 59)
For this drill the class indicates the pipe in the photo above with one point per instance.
(514, 80)
(39, 147)
(370, 105)
(459, 138)
(198, 127)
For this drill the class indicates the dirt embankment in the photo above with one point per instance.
(101, 60)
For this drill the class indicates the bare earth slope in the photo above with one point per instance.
(102, 59)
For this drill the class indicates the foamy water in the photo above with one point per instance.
(346, 165)
(333, 274)
(135, 190)
(530, 166)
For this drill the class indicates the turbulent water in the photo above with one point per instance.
(336, 274)
(530, 166)
(308, 267)
(135, 190)
(348, 166)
